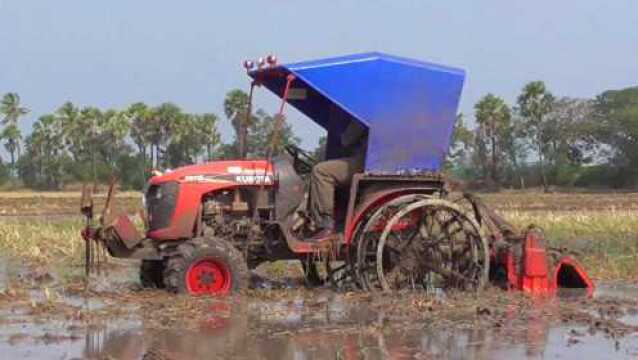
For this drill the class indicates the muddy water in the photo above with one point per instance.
(325, 325)
(318, 324)
(133, 341)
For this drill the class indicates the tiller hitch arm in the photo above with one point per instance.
(95, 253)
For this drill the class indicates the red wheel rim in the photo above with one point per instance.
(208, 276)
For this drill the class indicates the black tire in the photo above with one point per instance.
(196, 250)
(152, 274)
(312, 279)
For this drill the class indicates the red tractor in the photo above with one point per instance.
(208, 224)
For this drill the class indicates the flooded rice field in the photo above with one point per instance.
(47, 312)
(117, 320)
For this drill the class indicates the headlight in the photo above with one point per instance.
(144, 195)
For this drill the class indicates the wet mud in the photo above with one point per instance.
(115, 319)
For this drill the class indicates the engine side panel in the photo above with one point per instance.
(194, 182)
(186, 210)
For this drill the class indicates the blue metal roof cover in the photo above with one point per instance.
(408, 106)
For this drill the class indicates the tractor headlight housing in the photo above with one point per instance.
(161, 200)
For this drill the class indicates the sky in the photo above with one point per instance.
(113, 53)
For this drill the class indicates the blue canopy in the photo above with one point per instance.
(409, 107)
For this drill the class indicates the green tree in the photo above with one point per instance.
(193, 135)
(11, 110)
(75, 129)
(615, 125)
(12, 136)
(535, 103)
(493, 117)
(4, 173)
(140, 116)
(113, 129)
(461, 148)
(164, 121)
(95, 139)
(570, 144)
(206, 126)
(260, 143)
(515, 150)
(45, 162)
(462, 139)
(185, 141)
(236, 108)
(86, 136)
(319, 153)
(227, 151)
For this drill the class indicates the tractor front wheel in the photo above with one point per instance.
(206, 266)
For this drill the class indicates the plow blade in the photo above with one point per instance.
(536, 270)
(569, 274)
(521, 259)
(535, 277)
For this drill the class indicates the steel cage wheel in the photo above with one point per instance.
(457, 257)
(367, 239)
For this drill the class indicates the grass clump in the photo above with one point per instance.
(54, 248)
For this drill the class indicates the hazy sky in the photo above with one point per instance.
(112, 53)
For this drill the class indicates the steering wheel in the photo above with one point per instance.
(302, 160)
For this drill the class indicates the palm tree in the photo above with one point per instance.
(493, 117)
(82, 131)
(114, 128)
(164, 120)
(535, 103)
(46, 150)
(12, 135)
(140, 117)
(236, 106)
(207, 127)
(73, 129)
(11, 110)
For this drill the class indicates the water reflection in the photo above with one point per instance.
(328, 326)
(234, 342)
(334, 329)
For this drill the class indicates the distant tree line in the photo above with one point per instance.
(540, 140)
(544, 140)
(85, 144)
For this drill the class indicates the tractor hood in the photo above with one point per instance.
(237, 171)
(408, 106)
